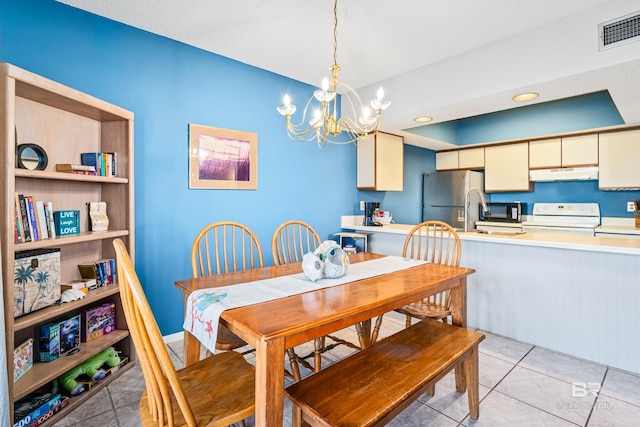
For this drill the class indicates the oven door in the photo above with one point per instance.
(550, 229)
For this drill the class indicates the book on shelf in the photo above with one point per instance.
(83, 285)
(105, 163)
(31, 214)
(18, 221)
(70, 167)
(91, 159)
(32, 222)
(42, 219)
(102, 270)
(24, 217)
(48, 212)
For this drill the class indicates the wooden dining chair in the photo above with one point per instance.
(224, 247)
(435, 242)
(291, 240)
(216, 391)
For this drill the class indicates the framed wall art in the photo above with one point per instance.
(222, 158)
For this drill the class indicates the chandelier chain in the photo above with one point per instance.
(335, 33)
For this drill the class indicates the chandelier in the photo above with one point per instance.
(325, 125)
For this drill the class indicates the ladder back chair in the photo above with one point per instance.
(216, 391)
(291, 240)
(224, 247)
(436, 242)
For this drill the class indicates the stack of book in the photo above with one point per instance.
(77, 169)
(102, 270)
(105, 164)
(33, 219)
(84, 285)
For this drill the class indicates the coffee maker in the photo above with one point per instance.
(370, 213)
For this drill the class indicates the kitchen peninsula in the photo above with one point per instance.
(574, 294)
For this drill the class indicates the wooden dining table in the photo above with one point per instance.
(273, 326)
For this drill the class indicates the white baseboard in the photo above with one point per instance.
(178, 336)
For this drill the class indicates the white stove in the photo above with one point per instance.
(564, 218)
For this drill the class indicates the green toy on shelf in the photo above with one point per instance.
(92, 368)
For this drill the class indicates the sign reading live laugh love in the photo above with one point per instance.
(67, 222)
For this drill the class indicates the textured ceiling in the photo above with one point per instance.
(445, 59)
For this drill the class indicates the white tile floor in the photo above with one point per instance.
(520, 385)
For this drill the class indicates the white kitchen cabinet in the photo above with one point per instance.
(570, 151)
(580, 150)
(381, 163)
(469, 158)
(507, 168)
(546, 153)
(618, 160)
(446, 160)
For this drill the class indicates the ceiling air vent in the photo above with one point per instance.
(620, 31)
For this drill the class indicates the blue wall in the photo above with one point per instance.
(168, 85)
(612, 203)
(577, 113)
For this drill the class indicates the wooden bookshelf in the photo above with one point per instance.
(64, 122)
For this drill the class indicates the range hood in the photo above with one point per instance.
(564, 174)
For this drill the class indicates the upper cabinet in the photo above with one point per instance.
(471, 158)
(446, 160)
(381, 163)
(618, 156)
(546, 153)
(507, 168)
(579, 150)
(468, 158)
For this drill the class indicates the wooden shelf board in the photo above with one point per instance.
(42, 373)
(62, 176)
(43, 315)
(86, 236)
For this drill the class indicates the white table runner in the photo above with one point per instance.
(205, 306)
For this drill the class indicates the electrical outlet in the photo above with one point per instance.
(362, 205)
(630, 207)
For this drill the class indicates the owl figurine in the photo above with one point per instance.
(329, 261)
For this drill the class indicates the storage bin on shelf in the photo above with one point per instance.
(36, 280)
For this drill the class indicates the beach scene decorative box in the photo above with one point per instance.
(36, 280)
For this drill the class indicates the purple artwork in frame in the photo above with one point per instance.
(222, 158)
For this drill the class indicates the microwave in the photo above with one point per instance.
(502, 212)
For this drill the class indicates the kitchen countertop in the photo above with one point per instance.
(618, 229)
(629, 246)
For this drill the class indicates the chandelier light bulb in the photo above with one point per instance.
(379, 104)
(288, 108)
(325, 84)
(366, 119)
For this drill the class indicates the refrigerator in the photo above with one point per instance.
(443, 195)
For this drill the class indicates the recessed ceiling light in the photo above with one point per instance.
(525, 96)
(423, 119)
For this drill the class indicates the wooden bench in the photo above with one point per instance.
(371, 387)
